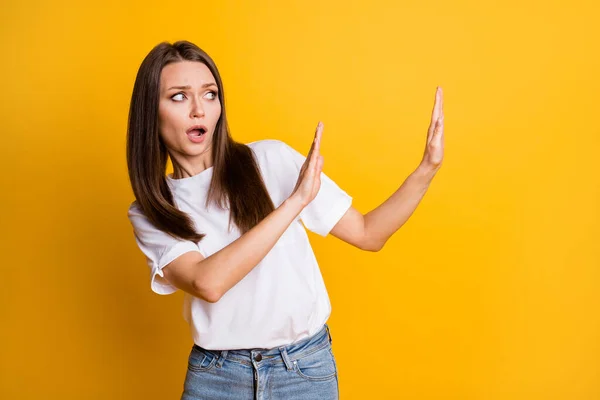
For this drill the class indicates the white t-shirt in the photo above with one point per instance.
(280, 301)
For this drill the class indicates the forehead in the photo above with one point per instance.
(184, 73)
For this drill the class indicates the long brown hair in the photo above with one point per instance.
(236, 179)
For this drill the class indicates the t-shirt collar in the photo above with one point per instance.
(202, 178)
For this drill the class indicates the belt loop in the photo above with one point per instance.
(285, 357)
(329, 334)
(222, 358)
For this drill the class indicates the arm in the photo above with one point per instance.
(371, 231)
(209, 278)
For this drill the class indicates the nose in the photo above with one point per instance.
(197, 109)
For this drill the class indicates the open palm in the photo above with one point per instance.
(434, 148)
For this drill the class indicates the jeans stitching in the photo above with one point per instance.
(199, 368)
(241, 359)
(317, 378)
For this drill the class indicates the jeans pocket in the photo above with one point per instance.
(201, 360)
(317, 366)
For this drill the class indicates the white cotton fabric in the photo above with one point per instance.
(283, 299)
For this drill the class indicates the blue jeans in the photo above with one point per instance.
(305, 370)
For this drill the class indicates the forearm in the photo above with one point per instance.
(225, 268)
(382, 222)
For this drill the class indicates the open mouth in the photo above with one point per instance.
(197, 132)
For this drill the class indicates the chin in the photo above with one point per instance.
(199, 148)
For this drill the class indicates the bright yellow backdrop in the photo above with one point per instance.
(490, 291)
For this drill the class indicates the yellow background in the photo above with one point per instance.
(490, 291)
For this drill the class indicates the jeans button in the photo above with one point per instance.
(258, 357)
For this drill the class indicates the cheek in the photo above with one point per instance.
(217, 111)
(167, 131)
(167, 120)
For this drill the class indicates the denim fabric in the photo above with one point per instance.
(305, 370)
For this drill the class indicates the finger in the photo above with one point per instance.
(431, 132)
(435, 114)
(315, 139)
(439, 101)
(320, 162)
(431, 129)
(440, 131)
(316, 149)
(317, 143)
(439, 137)
(318, 135)
(436, 129)
(316, 171)
(442, 107)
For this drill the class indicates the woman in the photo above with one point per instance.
(226, 228)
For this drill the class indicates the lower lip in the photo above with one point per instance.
(196, 139)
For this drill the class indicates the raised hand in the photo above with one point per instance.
(434, 148)
(309, 179)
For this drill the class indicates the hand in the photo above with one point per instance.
(309, 179)
(434, 149)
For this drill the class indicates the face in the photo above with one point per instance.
(188, 97)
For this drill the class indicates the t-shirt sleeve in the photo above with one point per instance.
(330, 203)
(159, 248)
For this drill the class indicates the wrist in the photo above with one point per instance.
(295, 203)
(425, 173)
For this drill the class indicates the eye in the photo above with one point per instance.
(176, 94)
(213, 93)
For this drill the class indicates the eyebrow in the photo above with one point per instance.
(189, 87)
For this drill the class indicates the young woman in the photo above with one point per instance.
(226, 227)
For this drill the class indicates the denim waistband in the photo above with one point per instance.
(286, 354)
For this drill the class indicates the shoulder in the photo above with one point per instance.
(267, 146)
(271, 151)
(136, 216)
(134, 209)
(143, 226)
